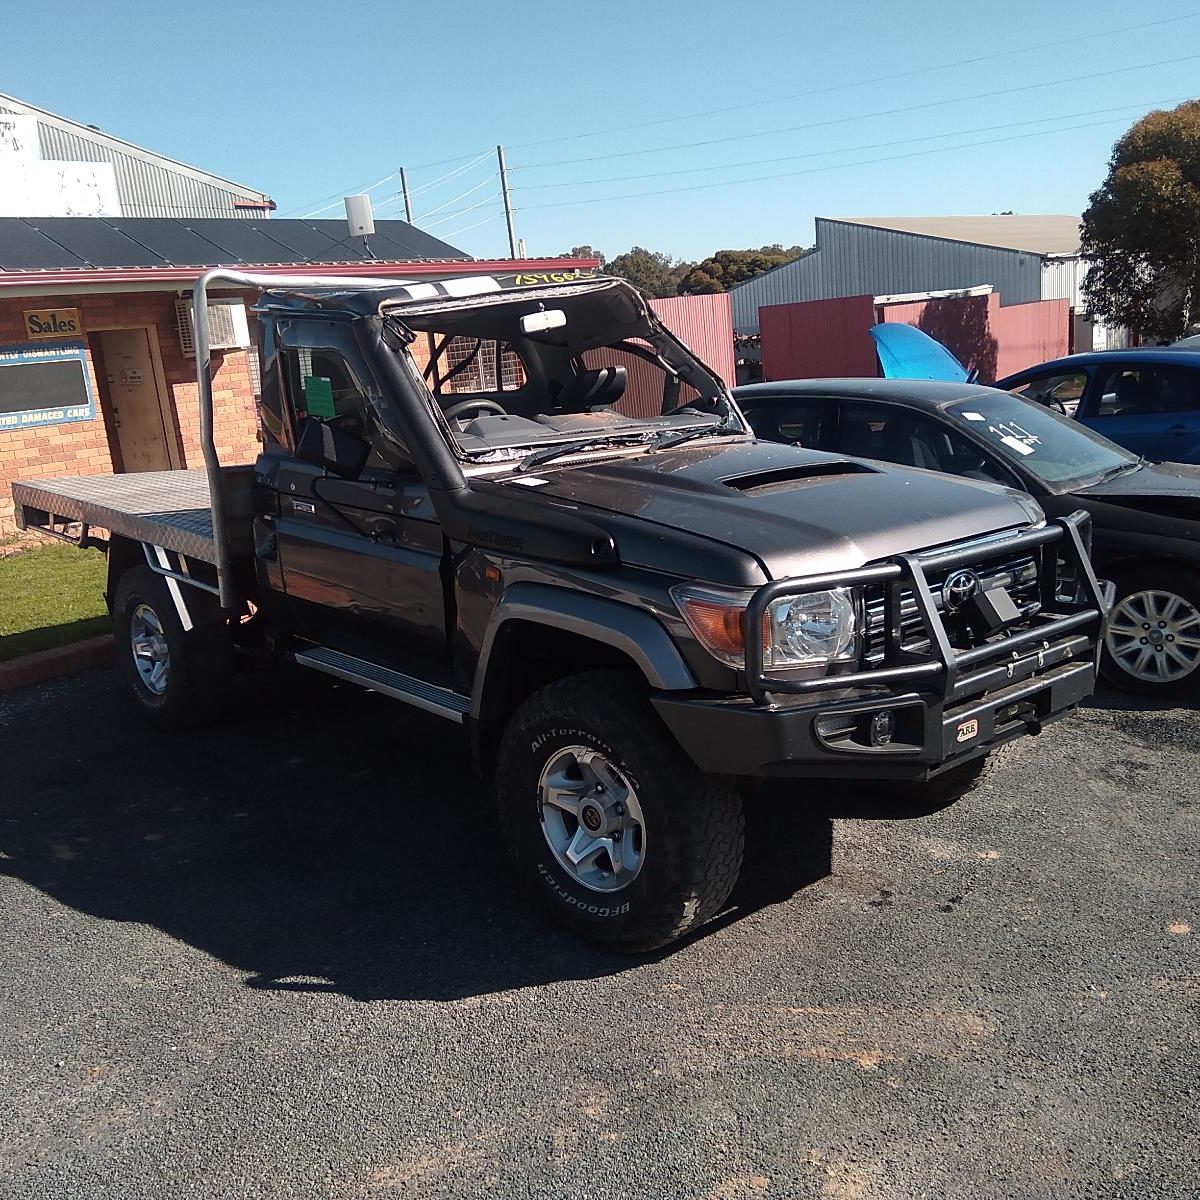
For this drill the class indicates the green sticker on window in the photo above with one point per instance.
(318, 392)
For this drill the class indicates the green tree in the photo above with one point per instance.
(584, 252)
(728, 268)
(647, 270)
(1141, 230)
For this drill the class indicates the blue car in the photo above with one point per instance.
(1147, 400)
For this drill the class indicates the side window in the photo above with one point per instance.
(323, 386)
(787, 420)
(1063, 390)
(1133, 390)
(898, 435)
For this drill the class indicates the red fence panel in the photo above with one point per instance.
(703, 323)
(992, 339)
(818, 339)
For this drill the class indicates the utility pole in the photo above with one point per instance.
(512, 238)
(407, 201)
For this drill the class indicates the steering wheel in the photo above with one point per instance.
(464, 406)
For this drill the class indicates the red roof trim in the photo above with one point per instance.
(352, 270)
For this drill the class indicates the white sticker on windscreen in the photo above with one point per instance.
(1016, 444)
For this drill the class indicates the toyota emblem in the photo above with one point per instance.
(959, 587)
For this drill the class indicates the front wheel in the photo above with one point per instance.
(623, 839)
(1153, 641)
(177, 677)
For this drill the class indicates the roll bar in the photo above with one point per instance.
(258, 282)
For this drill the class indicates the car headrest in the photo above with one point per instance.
(593, 389)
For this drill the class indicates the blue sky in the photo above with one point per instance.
(836, 107)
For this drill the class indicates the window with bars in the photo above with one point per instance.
(473, 365)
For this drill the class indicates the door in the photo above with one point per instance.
(1149, 408)
(360, 559)
(139, 411)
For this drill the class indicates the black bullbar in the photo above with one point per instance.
(1056, 617)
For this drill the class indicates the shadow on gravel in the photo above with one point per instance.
(324, 840)
(1109, 699)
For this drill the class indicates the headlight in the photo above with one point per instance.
(798, 631)
(817, 627)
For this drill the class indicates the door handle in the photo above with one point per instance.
(1178, 430)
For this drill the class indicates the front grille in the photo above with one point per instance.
(1019, 575)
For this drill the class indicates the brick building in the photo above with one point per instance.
(95, 332)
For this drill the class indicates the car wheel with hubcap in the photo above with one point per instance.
(1152, 644)
(617, 831)
(177, 677)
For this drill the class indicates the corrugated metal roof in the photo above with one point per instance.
(148, 184)
(1050, 234)
(854, 258)
(66, 243)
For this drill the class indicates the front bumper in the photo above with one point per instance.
(938, 708)
(730, 738)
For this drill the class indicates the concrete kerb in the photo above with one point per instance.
(61, 660)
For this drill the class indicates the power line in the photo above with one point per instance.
(887, 112)
(698, 187)
(759, 162)
(858, 83)
(336, 200)
(457, 213)
(451, 174)
(466, 228)
(424, 217)
(478, 156)
(1073, 40)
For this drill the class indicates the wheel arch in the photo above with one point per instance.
(540, 633)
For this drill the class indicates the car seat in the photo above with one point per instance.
(601, 388)
(1128, 396)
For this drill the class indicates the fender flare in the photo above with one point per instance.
(633, 631)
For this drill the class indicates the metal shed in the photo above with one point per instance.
(104, 170)
(1025, 258)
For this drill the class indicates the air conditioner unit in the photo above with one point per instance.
(228, 328)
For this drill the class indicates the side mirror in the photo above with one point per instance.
(338, 452)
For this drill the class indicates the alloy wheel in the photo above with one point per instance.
(148, 642)
(1154, 636)
(591, 819)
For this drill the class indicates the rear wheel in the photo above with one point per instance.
(621, 837)
(177, 677)
(1153, 641)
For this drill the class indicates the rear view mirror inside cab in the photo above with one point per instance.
(539, 322)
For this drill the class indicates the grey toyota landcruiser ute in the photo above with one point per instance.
(520, 503)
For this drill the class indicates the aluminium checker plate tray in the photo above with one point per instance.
(163, 508)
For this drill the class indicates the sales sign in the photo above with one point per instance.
(53, 323)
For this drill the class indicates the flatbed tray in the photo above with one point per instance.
(162, 508)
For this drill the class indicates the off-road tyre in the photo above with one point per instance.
(200, 659)
(1177, 581)
(693, 826)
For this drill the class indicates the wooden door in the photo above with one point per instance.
(138, 407)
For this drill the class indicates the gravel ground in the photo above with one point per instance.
(284, 959)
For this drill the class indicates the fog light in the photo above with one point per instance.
(883, 728)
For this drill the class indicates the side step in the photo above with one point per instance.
(442, 702)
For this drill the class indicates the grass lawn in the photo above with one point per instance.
(50, 596)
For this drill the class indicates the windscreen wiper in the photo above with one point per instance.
(666, 441)
(549, 453)
(1124, 469)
